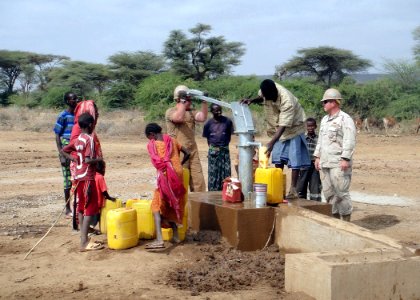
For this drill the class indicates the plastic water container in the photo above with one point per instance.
(284, 186)
(129, 203)
(186, 182)
(122, 228)
(145, 220)
(262, 157)
(167, 234)
(108, 206)
(182, 231)
(273, 178)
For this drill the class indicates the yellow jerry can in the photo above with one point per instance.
(273, 178)
(167, 234)
(182, 231)
(129, 203)
(145, 220)
(284, 185)
(262, 157)
(186, 181)
(104, 210)
(122, 228)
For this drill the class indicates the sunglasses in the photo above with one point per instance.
(327, 101)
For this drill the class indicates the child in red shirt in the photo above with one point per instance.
(85, 160)
(101, 188)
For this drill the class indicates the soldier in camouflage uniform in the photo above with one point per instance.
(334, 152)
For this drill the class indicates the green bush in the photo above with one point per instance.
(23, 100)
(157, 89)
(53, 98)
(119, 95)
(231, 88)
(406, 107)
(309, 95)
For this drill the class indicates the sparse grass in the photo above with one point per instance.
(117, 122)
(128, 122)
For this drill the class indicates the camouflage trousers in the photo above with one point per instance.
(336, 185)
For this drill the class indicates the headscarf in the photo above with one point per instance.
(83, 107)
(170, 186)
(86, 106)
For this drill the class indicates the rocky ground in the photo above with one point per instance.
(204, 266)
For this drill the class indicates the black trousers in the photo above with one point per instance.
(309, 178)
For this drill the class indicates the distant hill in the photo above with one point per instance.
(360, 78)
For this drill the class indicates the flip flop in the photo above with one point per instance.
(155, 245)
(93, 231)
(92, 246)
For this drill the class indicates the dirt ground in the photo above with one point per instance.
(203, 267)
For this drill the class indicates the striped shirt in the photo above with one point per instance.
(64, 125)
(311, 142)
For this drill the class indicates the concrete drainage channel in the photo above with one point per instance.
(326, 258)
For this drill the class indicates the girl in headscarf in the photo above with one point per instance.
(168, 199)
(85, 106)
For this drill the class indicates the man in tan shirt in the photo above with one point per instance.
(180, 124)
(285, 119)
(334, 154)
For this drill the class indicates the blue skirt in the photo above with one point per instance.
(293, 152)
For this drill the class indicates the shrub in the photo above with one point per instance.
(53, 98)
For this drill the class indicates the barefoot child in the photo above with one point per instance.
(168, 199)
(85, 160)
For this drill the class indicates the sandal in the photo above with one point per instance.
(155, 245)
(92, 246)
(93, 231)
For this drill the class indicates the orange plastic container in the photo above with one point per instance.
(108, 206)
(145, 220)
(273, 177)
(122, 228)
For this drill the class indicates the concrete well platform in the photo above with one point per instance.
(332, 259)
(245, 226)
(326, 258)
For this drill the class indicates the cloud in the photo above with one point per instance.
(272, 31)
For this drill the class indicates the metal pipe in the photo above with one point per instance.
(244, 128)
(246, 153)
(200, 95)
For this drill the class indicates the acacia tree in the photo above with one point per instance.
(134, 67)
(43, 64)
(81, 77)
(11, 66)
(416, 49)
(404, 72)
(200, 57)
(129, 69)
(327, 65)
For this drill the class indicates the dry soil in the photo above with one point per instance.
(204, 266)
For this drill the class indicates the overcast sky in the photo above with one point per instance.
(272, 30)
